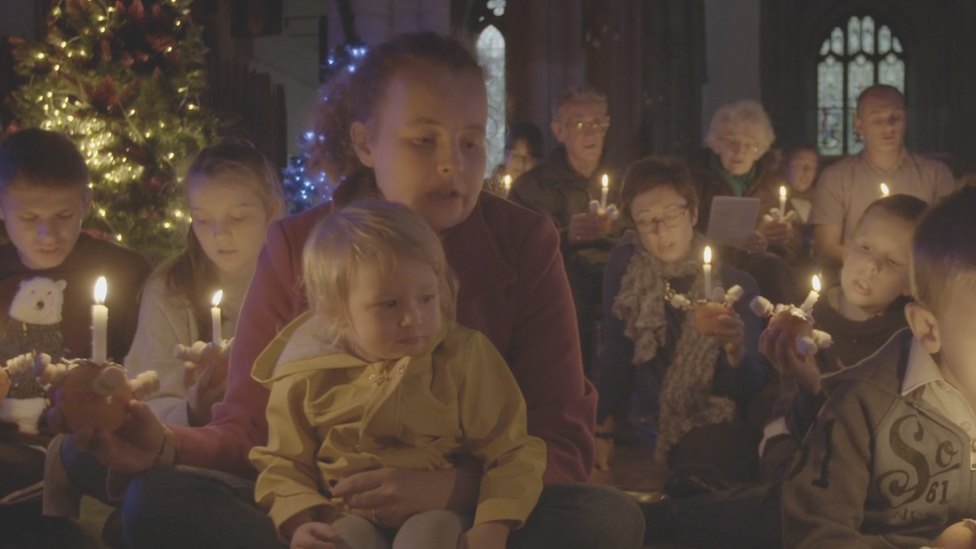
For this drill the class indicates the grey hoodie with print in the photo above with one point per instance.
(878, 469)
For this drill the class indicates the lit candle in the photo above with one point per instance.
(606, 189)
(707, 268)
(884, 190)
(100, 323)
(813, 296)
(215, 318)
(782, 201)
(508, 184)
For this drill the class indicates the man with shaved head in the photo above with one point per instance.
(846, 188)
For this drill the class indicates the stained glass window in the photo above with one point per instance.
(491, 53)
(867, 53)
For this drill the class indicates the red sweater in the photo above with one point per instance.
(513, 288)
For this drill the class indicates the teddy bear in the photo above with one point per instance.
(33, 325)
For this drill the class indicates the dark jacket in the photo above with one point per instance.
(554, 189)
(878, 469)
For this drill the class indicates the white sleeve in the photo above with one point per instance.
(164, 321)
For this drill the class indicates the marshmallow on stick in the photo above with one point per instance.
(795, 321)
(777, 214)
(14, 366)
(89, 394)
(705, 316)
(193, 355)
(609, 211)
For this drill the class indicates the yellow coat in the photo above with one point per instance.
(331, 414)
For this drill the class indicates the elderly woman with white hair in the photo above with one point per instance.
(739, 161)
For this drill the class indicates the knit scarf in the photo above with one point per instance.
(686, 400)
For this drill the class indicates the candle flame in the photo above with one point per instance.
(884, 190)
(508, 181)
(217, 297)
(782, 191)
(816, 283)
(708, 255)
(606, 181)
(101, 288)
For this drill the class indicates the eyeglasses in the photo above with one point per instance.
(671, 219)
(584, 127)
(735, 144)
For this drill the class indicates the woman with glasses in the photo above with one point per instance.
(739, 162)
(687, 390)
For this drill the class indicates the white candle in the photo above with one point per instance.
(215, 318)
(508, 184)
(606, 189)
(782, 201)
(707, 268)
(100, 323)
(884, 190)
(813, 296)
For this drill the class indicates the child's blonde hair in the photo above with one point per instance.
(192, 274)
(367, 233)
(944, 250)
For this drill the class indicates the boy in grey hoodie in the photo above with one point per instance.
(890, 460)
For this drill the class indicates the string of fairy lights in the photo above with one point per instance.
(303, 187)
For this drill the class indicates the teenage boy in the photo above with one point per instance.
(48, 272)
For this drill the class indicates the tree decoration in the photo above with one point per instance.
(123, 80)
(304, 189)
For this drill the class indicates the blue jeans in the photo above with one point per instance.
(187, 507)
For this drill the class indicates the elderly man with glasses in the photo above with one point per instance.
(562, 187)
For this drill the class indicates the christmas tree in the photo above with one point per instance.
(122, 79)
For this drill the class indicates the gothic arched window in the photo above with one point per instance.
(491, 53)
(850, 62)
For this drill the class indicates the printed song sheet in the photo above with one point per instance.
(732, 219)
